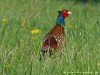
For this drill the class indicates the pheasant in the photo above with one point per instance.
(55, 39)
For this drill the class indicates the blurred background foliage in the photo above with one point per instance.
(84, 1)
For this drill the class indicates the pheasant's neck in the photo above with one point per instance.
(60, 20)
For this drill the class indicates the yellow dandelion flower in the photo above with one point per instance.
(8, 65)
(70, 26)
(34, 38)
(4, 20)
(34, 31)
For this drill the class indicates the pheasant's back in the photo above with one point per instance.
(55, 39)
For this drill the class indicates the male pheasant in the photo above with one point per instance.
(55, 39)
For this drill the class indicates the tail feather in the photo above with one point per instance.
(45, 50)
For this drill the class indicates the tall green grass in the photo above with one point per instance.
(19, 50)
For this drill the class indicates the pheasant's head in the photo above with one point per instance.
(65, 13)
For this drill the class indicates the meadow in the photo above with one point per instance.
(19, 46)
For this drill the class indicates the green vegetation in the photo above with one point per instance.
(86, 1)
(19, 48)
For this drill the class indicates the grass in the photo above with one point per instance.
(19, 48)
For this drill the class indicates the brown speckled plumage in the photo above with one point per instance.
(55, 39)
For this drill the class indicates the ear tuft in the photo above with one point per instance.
(59, 11)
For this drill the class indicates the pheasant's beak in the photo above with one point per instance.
(69, 12)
